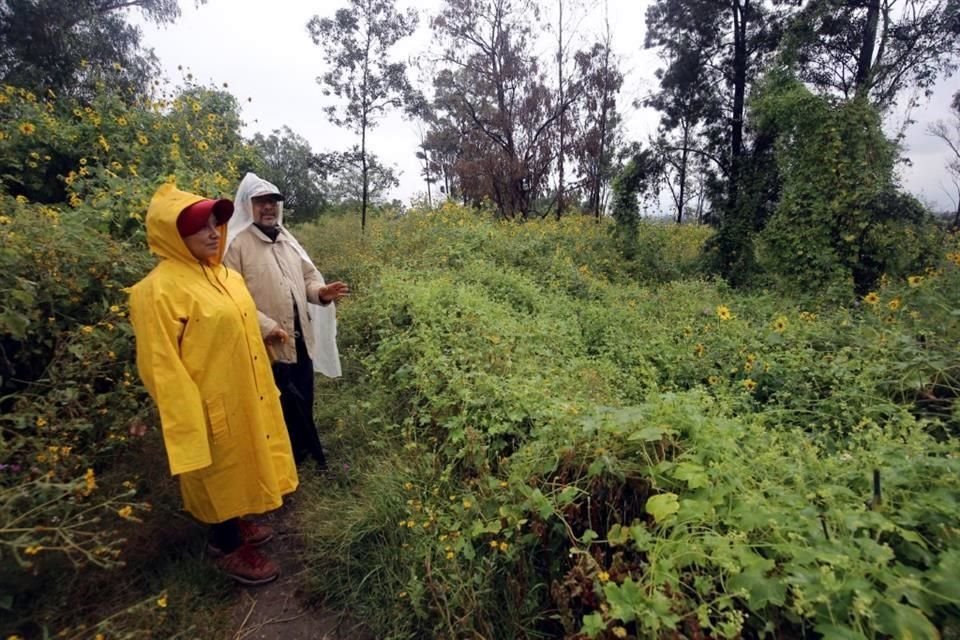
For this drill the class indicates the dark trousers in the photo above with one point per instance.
(295, 382)
(225, 535)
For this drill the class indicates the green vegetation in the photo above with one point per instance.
(534, 443)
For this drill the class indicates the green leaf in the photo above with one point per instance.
(760, 589)
(618, 535)
(904, 622)
(641, 537)
(539, 502)
(567, 495)
(838, 632)
(588, 536)
(593, 625)
(663, 506)
(693, 474)
(647, 434)
(625, 600)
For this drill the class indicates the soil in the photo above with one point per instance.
(280, 610)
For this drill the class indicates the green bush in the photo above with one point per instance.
(535, 445)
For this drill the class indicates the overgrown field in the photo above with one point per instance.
(534, 438)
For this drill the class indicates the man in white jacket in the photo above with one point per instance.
(294, 306)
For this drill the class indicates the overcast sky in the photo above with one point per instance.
(263, 52)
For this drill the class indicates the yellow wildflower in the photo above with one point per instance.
(749, 384)
(142, 139)
(450, 555)
(619, 632)
(915, 281)
(723, 312)
(41, 421)
(493, 544)
(5, 219)
(162, 601)
(33, 550)
(27, 128)
(504, 546)
(125, 512)
(871, 298)
(780, 324)
(603, 576)
(699, 350)
(467, 504)
(86, 329)
(894, 304)
(202, 146)
(91, 479)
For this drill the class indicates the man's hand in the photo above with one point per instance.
(277, 334)
(333, 291)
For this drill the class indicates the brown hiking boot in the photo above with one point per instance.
(248, 566)
(254, 533)
(251, 533)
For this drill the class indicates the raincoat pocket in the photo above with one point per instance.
(217, 414)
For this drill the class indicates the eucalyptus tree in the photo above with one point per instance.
(67, 47)
(362, 74)
(949, 133)
(598, 135)
(290, 163)
(875, 47)
(492, 86)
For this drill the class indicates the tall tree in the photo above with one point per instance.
(713, 51)
(291, 165)
(357, 43)
(875, 47)
(600, 124)
(66, 47)
(723, 45)
(949, 132)
(492, 82)
(341, 172)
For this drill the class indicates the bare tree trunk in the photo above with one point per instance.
(739, 95)
(865, 59)
(684, 159)
(605, 97)
(364, 171)
(562, 110)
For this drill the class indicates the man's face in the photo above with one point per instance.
(265, 210)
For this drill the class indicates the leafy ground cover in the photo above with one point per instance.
(536, 438)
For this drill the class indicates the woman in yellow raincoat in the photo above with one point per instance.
(201, 356)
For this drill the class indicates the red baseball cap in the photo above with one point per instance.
(195, 217)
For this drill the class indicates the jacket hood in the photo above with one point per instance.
(162, 236)
(251, 185)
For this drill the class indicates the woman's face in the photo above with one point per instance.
(205, 244)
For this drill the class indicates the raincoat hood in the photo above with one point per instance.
(162, 236)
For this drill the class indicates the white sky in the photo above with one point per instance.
(263, 52)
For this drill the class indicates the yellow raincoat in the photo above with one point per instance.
(201, 356)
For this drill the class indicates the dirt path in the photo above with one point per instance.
(278, 611)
